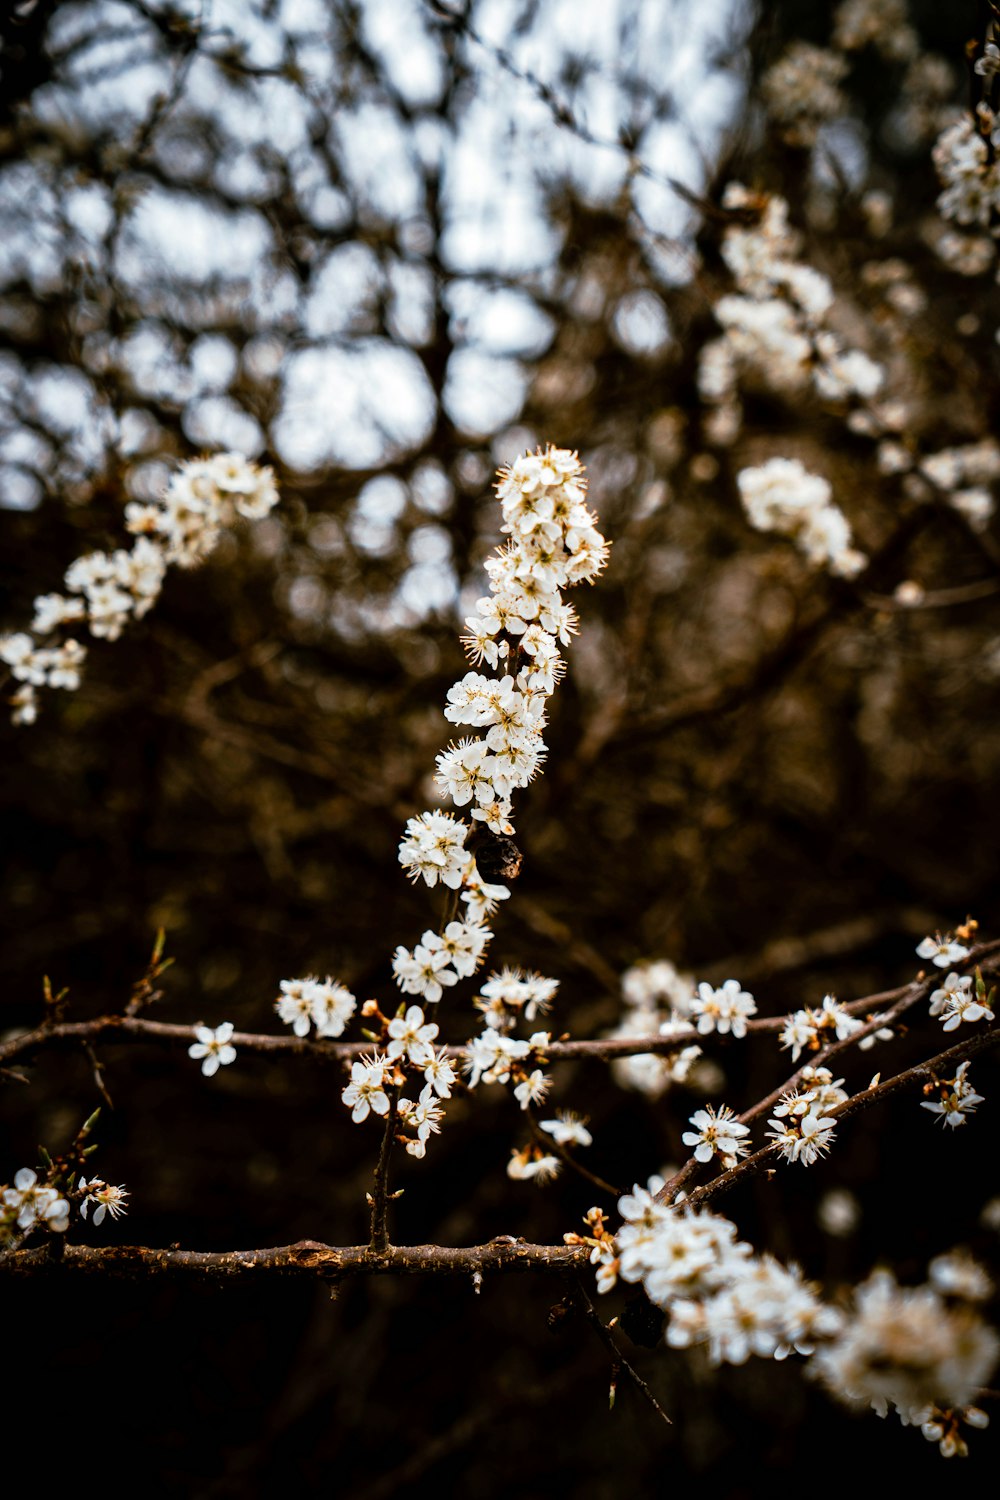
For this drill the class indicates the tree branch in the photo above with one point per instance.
(305, 1259)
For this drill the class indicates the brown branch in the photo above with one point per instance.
(920, 1073)
(135, 1028)
(305, 1259)
(380, 1198)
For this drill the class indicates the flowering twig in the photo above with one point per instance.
(920, 1074)
(134, 1028)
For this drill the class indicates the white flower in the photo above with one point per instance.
(958, 1275)
(489, 1056)
(423, 972)
(716, 1134)
(52, 610)
(989, 64)
(423, 1117)
(332, 1006)
(567, 1129)
(725, 1009)
(958, 1099)
(294, 1006)
(411, 1038)
(106, 1198)
(214, 1047)
(365, 1092)
(942, 950)
(529, 1164)
(32, 1206)
(463, 943)
(956, 1002)
(440, 1073)
(518, 992)
(465, 771)
(481, 898)
(533, 1089)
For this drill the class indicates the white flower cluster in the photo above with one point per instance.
(809, 1027)
(205, 496)
(782, 496)
(971, 180)
(28, 1205)
(924, 1351)
(106, 590)
(962, 476)
(968, 170)
(494, 1056)
(517, 630)
(440, 960)
(909, 1348)
(956, 1098)
(802, 1126)
(802, 90)
(409, 1051)
(323, 1004)
(714, 1289)
(774, 329)
(957, 1001)
(35, 666)
(658, 999)
(513, 994)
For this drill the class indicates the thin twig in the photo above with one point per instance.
(608, 1339)
(544, 1139)
(986, 955)
(98, 1075)
(380, 1196)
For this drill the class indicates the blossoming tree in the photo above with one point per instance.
(620, 976)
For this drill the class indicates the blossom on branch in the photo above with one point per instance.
(214, 1047)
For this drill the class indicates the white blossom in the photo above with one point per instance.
(412, 1038)
(106, 1198)
(957, 1099)
(214, 1047)
(567, 1129)
(725, 1009)
(943, 951)
(366, 1091)
(716, 1133)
